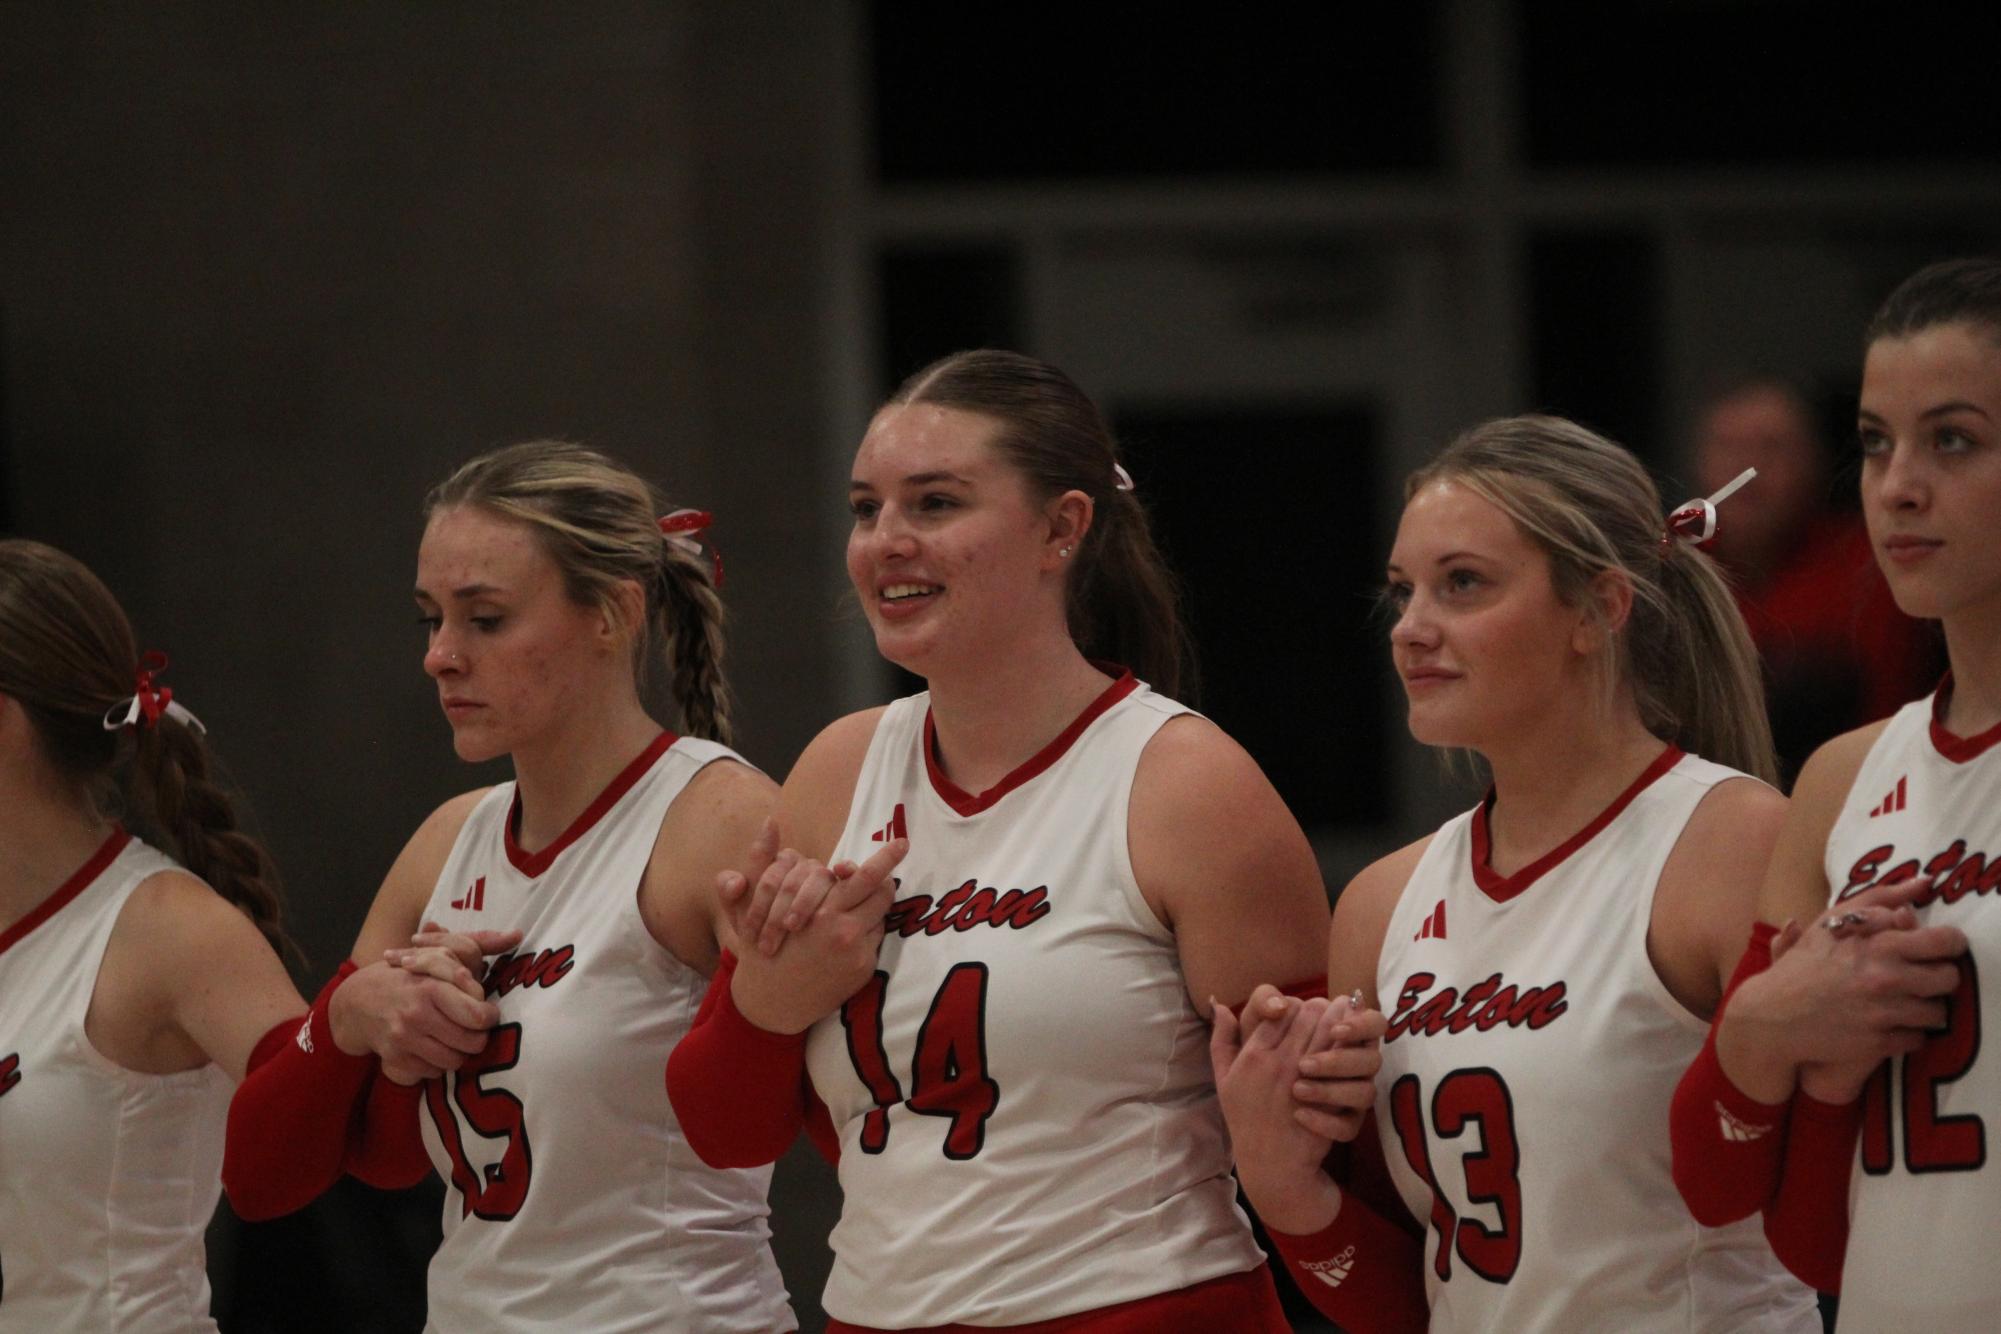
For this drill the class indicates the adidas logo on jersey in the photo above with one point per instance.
(1434, 925)
(475, 898)
(10, 1073)
(1736, 1129)
(1331, 1272)
(1894, 802)
(893, 830)
(305, 1038)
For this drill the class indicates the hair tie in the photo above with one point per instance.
(149, 702)
(680, 527)
(1694, 523)
(1122, 480)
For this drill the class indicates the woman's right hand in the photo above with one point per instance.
(1863, 983)
(418, 1023)
(830, 922)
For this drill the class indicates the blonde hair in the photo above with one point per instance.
(1591, 507)
(599, 522)
(68, 655)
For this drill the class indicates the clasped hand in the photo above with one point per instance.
(422, 1009)
(806, 933)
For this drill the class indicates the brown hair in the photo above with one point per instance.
(1124, 603)
(68, 655)
(1954, 291)
(599, 522)
(1591, 507)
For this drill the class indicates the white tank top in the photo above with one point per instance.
(107, 1176)
(1028, 1125)
(1523, 1101)
(572, 1200)
(1925, 1202)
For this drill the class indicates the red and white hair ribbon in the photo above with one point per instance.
(1694, 523)
(149, 702)
(680, 528)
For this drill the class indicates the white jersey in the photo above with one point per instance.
(1923, 1207)
(1531, 1057)
(1028, 1124)
(107, 1176)
(572, 1199)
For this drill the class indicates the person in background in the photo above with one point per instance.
(1837, 650)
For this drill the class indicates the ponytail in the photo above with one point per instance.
(1695, 669)
(1591, 507)
(193, 813)
(687, 623)
(68, 655)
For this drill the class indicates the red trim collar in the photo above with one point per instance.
(1958, 749)
(107, 852)
(532, 864)
(1501, 888)
(965, 803)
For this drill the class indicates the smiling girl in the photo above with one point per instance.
(1862, 1041)
(551, 597)
(1009, 1034)
(1548, 960)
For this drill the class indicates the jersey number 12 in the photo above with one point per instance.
(1932, 1143)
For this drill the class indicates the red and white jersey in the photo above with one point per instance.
(107, 1176)
(1924, 1204)
(1531, 1057)
(572, 1199)
(1028, 1124)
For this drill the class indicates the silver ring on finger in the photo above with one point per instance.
(1842, 925)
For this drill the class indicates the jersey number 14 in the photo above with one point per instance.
(949, 1073)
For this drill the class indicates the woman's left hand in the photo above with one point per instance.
(1278, 1152)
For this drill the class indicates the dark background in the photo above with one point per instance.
(266, 272)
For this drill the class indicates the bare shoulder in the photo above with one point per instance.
(1829, 773)
(180, 918)
(1190, 762)
(1735, 818)
(1214, 849)
(187, 978)
(708, 830)
(813, 804)
(399, 903)
(1362, 918)
(1200, 802)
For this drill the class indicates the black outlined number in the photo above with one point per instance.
(1479, 1098)
(1932, 1143)
(949, 1071)
(497, 1191)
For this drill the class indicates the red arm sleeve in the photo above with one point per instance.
(1726, 1145)
(289, 1120)
(738, 1090)
(1808, 1223)
(385, 1145)
(1365, 1270)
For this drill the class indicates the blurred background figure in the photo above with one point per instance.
(1837, 651)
